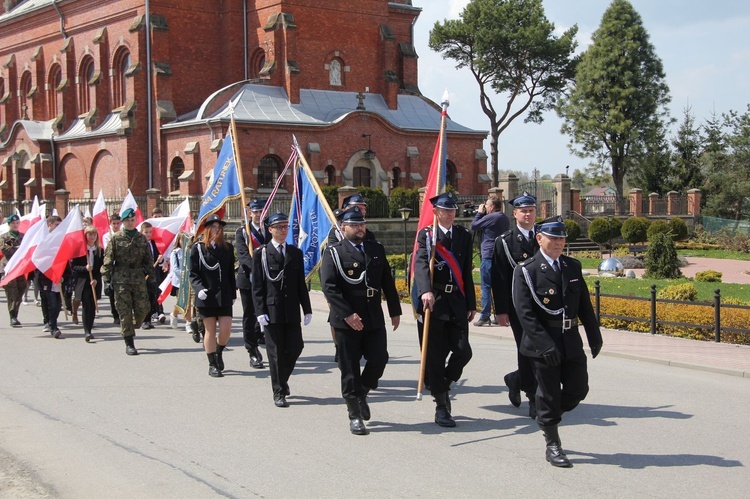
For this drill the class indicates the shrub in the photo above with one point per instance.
(657, 227)
(684, 292)
(377, 202)
(573, 229)
(401, 198)
(397, 261)
(661, 259)
(635, 229)
(708, 276)
(331, 193)
(601, 230)
(678, 229)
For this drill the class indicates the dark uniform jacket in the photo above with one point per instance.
(451, 303)
(81, 275)
(347, 298)
(512, 242)
(541, 330)
(245, 260)
(280, 300)
(218, 282)
(126, 259)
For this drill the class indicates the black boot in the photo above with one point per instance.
(213, 369)
(356, 425)
(219, 356)
(442, 413)
(514, 388)
(130, 346)
(555, 454)
(364, 407)
(194, 330)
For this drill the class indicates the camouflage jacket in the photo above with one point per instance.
(8, 245)
(127, 259)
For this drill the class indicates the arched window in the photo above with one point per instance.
(335, 73)
(175, 170)
(257, 61)
(54, 104)
(120, 66)
(24, 100)
(269, 170)
(396, 177)
(23, 174)
(362, 176)
(85, 74)
(450, 174)
(330, 175)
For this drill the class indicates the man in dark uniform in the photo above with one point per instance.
(451, 297)
(279, 289)
(512, 248)
(126, 259)
(551, 299)
(9, 243)
(348, 203)
(353, 275)
(243, 241)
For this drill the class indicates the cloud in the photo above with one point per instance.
(455, 7)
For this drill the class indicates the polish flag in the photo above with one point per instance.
(60, 246)
(100, 216)
(164, 232)
(129, 202)
(20, 263)
(183, 210)
(31, 218)
(165, 288)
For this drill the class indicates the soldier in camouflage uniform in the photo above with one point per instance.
(125, 261)
(14, 290)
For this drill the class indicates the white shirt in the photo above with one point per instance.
(549, 259)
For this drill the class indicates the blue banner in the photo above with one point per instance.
(308, 222)
(224, 184)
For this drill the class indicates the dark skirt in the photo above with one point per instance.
(215, 311)
(175, 291)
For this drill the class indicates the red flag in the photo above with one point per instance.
(164, 232)
(60, 246)
(165, 288)
(100, 216)
(129, 202)
(20, 263)
(30, 218)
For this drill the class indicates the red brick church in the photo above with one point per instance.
(137, 94)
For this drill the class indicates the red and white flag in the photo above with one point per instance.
(164, 232)
(164, 289)
(30, 218)
(20, 263)
(129, 202)
(62, 244)
(100, 216)
(183, 210)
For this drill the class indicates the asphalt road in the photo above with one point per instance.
(84, 420)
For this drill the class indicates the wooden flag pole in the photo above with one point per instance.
(233, 133)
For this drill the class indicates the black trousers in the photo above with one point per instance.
(88, 308)
(446, 338)
(250, 327)
(53, 303)
(525, 373)
(560, 389)
(283, 346)
(352, 346)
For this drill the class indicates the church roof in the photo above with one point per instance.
(77, 130)
(36, 130)
(264, 104)
(24, 8)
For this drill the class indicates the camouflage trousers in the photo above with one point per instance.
(14, 291)
(132, 303)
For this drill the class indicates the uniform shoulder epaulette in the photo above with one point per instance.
(507, 234)
(461, 227)
(526, 262)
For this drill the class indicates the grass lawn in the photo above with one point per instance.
(714, 253)
(642, 287)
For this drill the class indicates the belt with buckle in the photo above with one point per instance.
(446, 288)
(565, 324)
(369, 293)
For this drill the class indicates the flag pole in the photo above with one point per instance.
(428, 313)
(314, 183)
(233, 133)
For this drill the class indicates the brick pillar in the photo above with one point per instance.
(694, 202)
(583, 206)
(497, 192)
(422, 193)
(61, 202)
(672, 203)
(152, 201)
(575, 200)
(636, 202)
(509, 185)
(652, 199)
(562, 184)
(345, 192)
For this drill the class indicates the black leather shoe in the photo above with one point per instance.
(357, 426)
(56, 333)
(130, 350)
(195, 332)
(147, 325)
(556, 456)
(214, 372)
(89, 337)
(15, 322)
(443, 418)
(255, 363)
(280, 401)
(514, 388)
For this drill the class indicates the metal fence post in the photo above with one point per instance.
(717, 315)
(653, 309)
(597, 298)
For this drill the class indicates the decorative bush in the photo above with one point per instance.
(573, 229)
(377, 202)
(685, 292)
(657, 227)
(401, 198)
(635, 229)
(632, 262)
(601, 230)
(678, 229)
(708, 276)
(661, 259)
(397, 262)
(331, 193)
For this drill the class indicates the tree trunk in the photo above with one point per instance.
(494, 170)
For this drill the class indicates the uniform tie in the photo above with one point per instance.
(359, 247)
(556, 266)
(447, 240)
(280, 247)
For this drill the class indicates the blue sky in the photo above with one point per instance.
(704, 46)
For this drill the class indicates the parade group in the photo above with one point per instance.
(535, 289)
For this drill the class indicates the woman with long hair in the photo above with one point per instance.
(212, 278)
(87, 271)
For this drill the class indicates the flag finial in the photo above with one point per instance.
(445, 101)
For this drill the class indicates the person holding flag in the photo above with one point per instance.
(51, 291)
(448, 292)
(87, 273)
(246, 244)
(9, 243)
(126, 258)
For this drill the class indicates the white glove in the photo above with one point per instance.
(308, 319)
(263, 320)
(202, 294)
